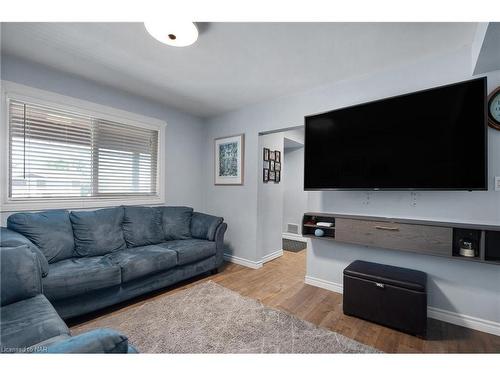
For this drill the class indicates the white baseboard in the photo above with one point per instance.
(324, 284)
(274, 255)
(293, 237)
(242, 261)
(463, 320)
(251, 263)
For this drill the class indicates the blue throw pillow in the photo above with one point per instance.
(176, 222)
(98, 232)
(142, 226)
(51, 231)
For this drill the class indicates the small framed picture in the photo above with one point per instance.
(266, 164)
(277, 166)
(277, 177)
(265, 176)
(272, 155)
(266, 154)
(272, 175)
(272, 165)
(277, 156)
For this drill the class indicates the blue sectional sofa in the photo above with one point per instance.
(30, 324)
(93, 259)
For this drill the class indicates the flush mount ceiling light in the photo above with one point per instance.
(177, 34)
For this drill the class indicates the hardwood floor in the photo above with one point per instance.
(280, 284)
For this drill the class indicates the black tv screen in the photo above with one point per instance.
(429, 140)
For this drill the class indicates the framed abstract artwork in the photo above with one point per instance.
(229, 160)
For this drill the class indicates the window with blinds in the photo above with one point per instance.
(62, 154)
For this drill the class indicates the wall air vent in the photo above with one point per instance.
(292, 228)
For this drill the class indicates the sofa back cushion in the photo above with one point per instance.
(142, 226)
(176, 222)
(51, 231)
(98, 232)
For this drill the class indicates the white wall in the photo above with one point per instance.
(294, 196)
(185, 134)
(476, 294)
(270, 202)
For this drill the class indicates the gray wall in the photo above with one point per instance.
(185, 134)
(476, 294)
(294, 196)
(270, 202)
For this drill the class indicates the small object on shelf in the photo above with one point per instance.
(324, 224)
(319, 232)
(311, 220)
(467, 248)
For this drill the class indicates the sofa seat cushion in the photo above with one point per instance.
(142, 226)
(192, 250)
(76, 276)
(29, 322)
(141, 261)
(176, 222)
(50, 231)
(98, 232)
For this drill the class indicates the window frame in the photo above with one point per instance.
(15, 91)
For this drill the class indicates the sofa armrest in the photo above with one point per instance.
(102, 340)
(21, 277)
(204, 226)
(10, 238)
(219, 243)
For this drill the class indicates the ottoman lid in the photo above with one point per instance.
(390, 275)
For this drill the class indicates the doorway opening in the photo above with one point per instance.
(282, 200)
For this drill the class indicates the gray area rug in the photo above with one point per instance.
(208, 318)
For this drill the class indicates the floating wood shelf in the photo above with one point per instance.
(318, 226)
(410, 235)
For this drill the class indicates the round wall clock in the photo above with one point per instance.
(494, 109)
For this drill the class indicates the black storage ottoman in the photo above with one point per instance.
(392, 296)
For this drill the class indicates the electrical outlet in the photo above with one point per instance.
(497, 183)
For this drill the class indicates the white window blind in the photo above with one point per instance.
(62, 154)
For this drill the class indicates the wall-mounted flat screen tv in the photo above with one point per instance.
(434, 139)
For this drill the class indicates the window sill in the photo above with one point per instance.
(15, 206)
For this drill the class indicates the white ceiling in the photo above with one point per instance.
(232, 64)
